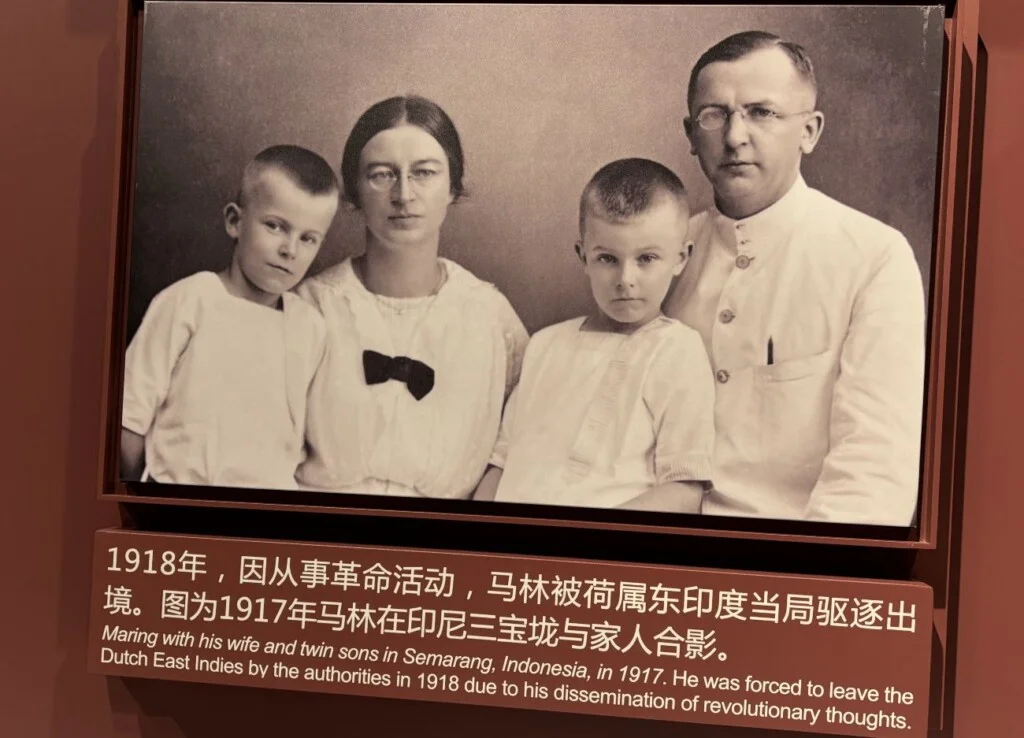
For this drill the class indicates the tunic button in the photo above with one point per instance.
(722, 376)
(726, 316)
(742, 261)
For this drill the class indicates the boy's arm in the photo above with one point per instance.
(150, 359)
(488, 486)
(133, 455)
(321, 351)
(674, 497)
(680, 394)
(516, 340)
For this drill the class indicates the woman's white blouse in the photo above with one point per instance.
(379, 439)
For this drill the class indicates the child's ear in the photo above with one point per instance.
(684, 258)
(580, 252)
(347, 206)
(232, 218)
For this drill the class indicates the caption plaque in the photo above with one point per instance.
(813, 654)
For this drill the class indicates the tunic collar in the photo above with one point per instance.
(764, 230)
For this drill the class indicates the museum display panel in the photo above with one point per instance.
(278, 225)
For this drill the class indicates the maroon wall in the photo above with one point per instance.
(59, 85)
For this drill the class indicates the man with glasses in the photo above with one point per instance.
(812, 313)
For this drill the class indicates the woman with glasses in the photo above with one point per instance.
(422, 353)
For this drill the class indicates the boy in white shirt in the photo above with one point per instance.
(216, 377)
(615, 409)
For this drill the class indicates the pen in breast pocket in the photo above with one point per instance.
(771, 351)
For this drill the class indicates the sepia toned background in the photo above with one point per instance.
(542, 97)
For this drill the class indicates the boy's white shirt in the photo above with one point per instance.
(600, 418)
(218, 385)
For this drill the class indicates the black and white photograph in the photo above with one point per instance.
(673, 259)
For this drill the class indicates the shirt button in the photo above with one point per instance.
(742, 261)
(722, 376)
(726, 316)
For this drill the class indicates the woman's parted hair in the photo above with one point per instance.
(390, 113)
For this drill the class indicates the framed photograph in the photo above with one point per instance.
(633, 267)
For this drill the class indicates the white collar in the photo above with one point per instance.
(345, 277)
(767, 228)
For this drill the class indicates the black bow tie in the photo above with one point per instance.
(418, 377)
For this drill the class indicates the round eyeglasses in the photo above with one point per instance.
(384, 180)
(713, 119)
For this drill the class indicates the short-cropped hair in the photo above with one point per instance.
(740, 45)
(308, 170)
(391, 113)
(626, 188)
